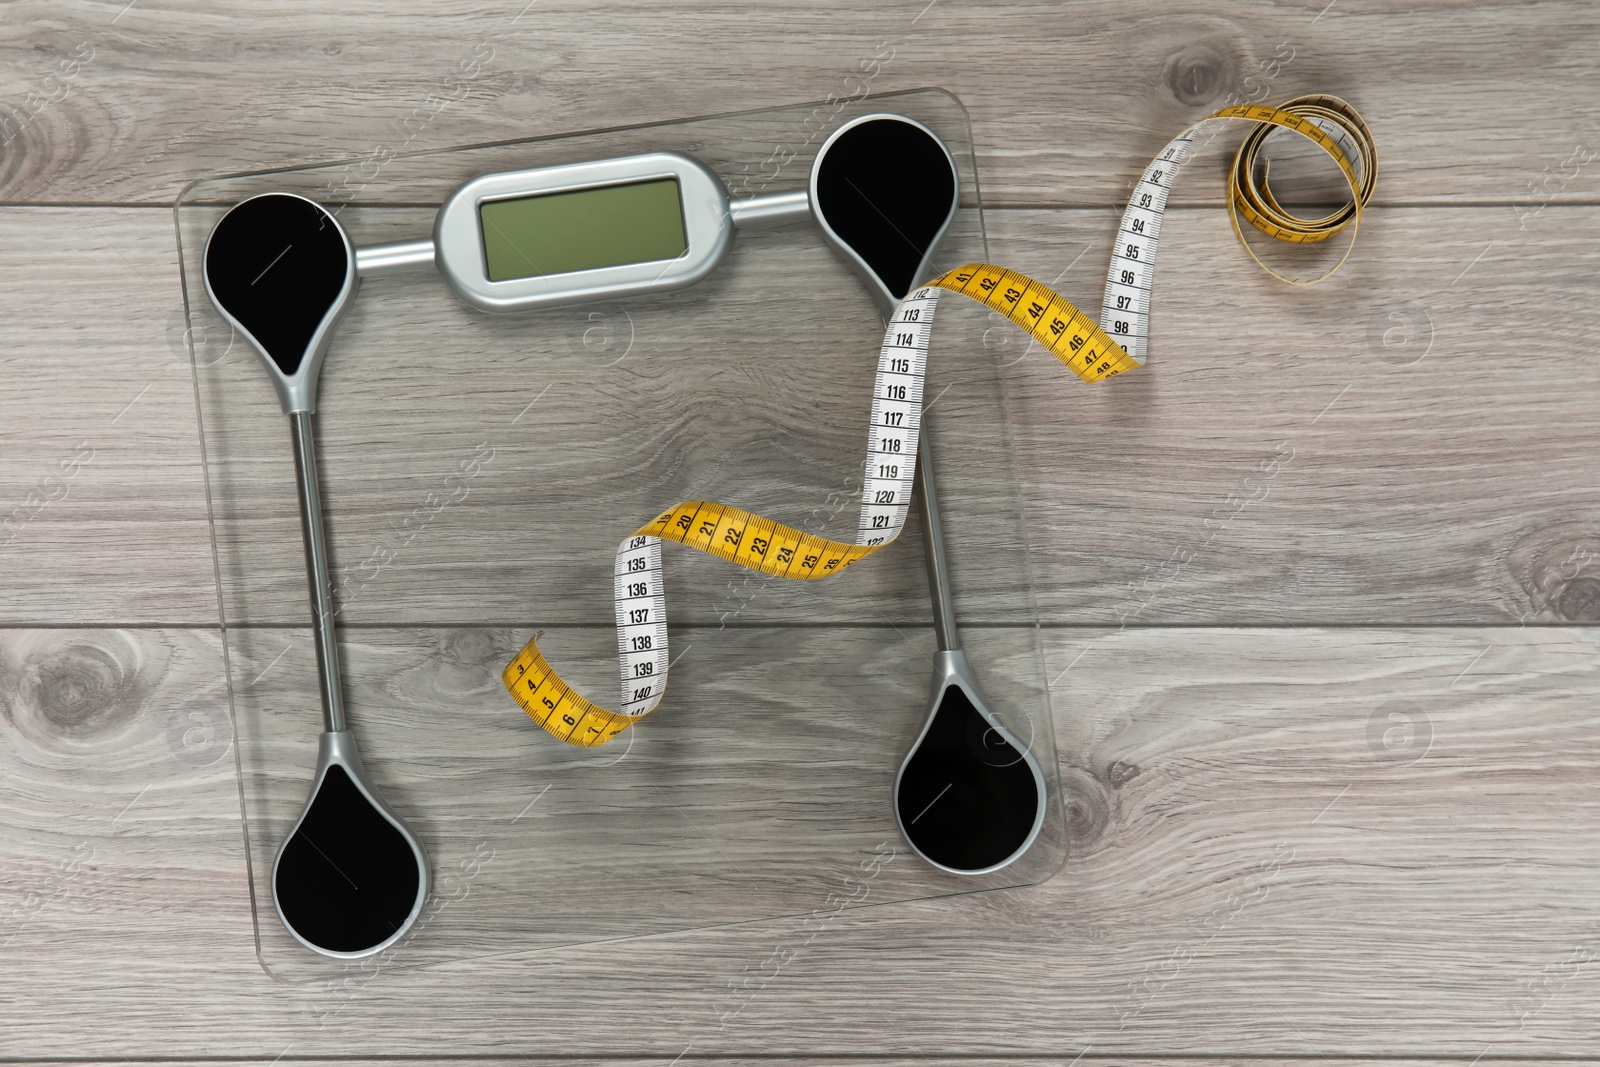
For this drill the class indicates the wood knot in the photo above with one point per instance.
(1197, 75)
(1088, 808)
(1579, 600)
(1556, 571)
(464, 662)
(472, 646)
(75, 687)
(1120, 773)
(50, 120)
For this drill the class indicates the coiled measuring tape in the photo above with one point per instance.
(1093, 351)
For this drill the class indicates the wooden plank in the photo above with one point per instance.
(1393, 445)
(102, 501)
(1470, 101)
(1287, 843)
(1437, 479)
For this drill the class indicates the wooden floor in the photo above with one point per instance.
(1329, 743)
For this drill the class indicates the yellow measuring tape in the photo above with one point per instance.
(1093, 351)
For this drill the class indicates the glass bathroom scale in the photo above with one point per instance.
(478, 471)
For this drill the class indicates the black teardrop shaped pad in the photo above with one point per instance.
(886, 187)
(277, 264)
(346, 880)
(967, 798)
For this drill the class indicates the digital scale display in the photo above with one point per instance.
(582, 229)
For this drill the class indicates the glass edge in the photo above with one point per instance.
(189, 196)
(1058, 808)
(216, 578)
(524, 952)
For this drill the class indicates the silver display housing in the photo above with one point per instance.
(458, 240)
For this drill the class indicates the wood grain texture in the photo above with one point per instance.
(1274, 459)
(1285, 843)
(1223, 478)
(1470, 101)
(102, 501)
(1413, 375)
(1291, 843)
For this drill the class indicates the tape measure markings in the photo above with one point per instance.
(1091, 352)
(1330, 123)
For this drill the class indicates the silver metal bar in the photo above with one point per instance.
(944, 612)
(395, 258)
(305, 469)
(774, 209)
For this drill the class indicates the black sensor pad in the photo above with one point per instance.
(279, 265)
(886, 188)
(967, 797)
(346, 880)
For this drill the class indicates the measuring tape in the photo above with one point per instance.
(1093, 351)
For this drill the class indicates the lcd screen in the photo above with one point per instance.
(585, 229)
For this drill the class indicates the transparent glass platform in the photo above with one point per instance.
(478, 472)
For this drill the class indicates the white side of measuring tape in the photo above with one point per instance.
(1125, 311)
